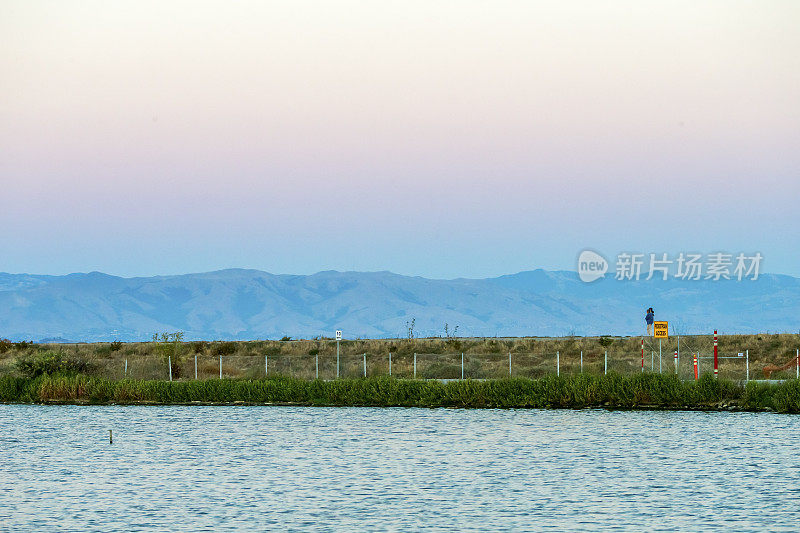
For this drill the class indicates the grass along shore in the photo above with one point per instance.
(642, 391)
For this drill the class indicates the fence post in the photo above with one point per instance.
(365, 365)
(605, 364)
(316, 364)
(558, 364)
(220, 367)
(716, 362)
(337, 358)
(676, 362)
(581, 361)
(747, 366)
(415, 365)
(462, 365)
(126, 368)
(509, 364)
(169, 362)
(642, 354)
(695, 367)
(390, 364)
(195, 367)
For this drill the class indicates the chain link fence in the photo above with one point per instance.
(434, 366)
(675, 355)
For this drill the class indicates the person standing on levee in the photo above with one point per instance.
(648, 318)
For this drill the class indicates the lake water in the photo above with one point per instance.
(341, 469)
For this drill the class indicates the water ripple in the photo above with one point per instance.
(333, 469)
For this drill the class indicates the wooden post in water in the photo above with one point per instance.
(110, 437)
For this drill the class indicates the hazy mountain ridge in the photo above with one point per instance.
(249, 304)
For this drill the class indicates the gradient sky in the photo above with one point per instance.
(441, 139)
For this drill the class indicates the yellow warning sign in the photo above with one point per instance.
(660, 330)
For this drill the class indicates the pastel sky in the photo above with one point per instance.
(441, 139)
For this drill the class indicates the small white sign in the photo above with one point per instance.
(338, 335)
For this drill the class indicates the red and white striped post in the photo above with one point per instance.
(642, 354)
(695, 366)
(797, 366)
(676, 362)
(716, 360)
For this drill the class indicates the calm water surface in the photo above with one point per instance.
(337, 469)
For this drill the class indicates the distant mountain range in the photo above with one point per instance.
(250, 304)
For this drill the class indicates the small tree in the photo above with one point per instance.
(410, 329)
(167, 345)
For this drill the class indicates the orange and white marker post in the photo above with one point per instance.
(642, 354)
(716, 360)
(695, 366)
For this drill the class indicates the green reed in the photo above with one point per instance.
(643, 391)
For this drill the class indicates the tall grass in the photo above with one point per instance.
(577, 391)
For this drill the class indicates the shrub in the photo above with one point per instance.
(102, 351)
(223, 348)
(51, 363)
(5, 345)
(605, 342)
(198, 346)
(23, 345)
(285, 339)
(454, 344)
(115, 346)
